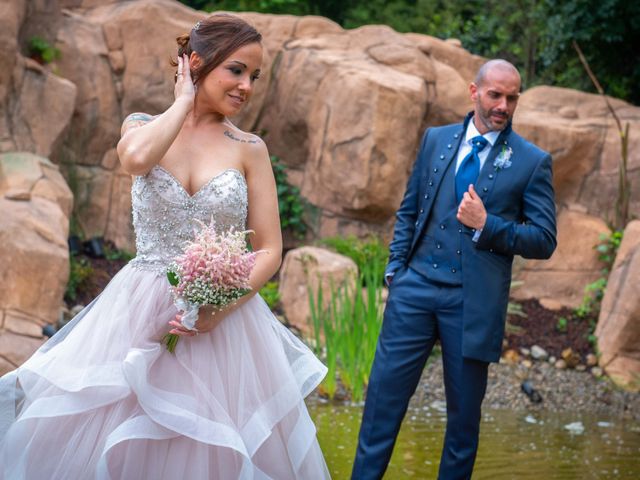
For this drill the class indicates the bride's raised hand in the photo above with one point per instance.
(184, 87)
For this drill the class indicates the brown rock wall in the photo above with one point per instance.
(35, 202)
(618, 329)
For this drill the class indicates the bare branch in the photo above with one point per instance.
(598, 86)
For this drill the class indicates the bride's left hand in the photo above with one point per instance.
(208, 319)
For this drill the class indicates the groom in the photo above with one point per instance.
(478, 195)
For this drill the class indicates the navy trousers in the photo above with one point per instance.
(419, 312)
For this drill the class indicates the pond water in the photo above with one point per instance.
(513, 445)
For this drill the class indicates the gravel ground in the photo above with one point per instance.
(561, 390)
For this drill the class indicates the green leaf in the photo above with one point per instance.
(173, 278)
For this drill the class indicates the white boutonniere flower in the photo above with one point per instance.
(503, 158)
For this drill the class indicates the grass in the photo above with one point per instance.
(346, 329)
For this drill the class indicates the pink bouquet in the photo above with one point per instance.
(213, 270)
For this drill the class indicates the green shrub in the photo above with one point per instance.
(79, 271)
(270, 294)
(290, 203)
(112, 253)
(42, 50)
(363, 252)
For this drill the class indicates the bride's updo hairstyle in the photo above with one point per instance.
(214, 39)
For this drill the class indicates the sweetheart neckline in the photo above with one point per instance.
(205, 185)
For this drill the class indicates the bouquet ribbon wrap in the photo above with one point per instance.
(190, 315)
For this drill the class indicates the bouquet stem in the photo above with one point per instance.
(171, 340)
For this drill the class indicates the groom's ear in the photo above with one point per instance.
(473, 91)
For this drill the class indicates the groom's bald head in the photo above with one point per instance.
(496, 65)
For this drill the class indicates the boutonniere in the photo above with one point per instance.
(503, 158)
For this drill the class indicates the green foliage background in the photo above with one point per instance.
(535, 35)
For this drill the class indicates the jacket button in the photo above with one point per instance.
(456, 136)
(422, 210)
(441, 227)
(490, 175)
(485, 189)
(435, 265)
(458, 252)
(453, 270)
(441, 157)
(431, 183)
(417, 223)
(426, 195)
(438, 246)
(449, 146)
(459, 230)
(435, 170)
(491, 250)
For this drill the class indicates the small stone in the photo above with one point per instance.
(510, 356)
(592, 360)
(581, 368)
(570, 357)
(597, 372)
(539, 353)
(527, 363)
(552, 359)
(525, 352)
(76, 309)
(551, 304)
(560, 364)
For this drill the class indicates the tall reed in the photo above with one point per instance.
(346, 330)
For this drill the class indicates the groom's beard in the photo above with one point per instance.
(493, 119)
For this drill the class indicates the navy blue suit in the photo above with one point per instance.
(450, 288)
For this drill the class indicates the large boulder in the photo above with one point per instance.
(580, 133)
(618, 329)
(573, 265)
(36, 204)
(309, 269)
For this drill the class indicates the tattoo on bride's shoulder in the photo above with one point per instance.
(139, 117)
(230, 135)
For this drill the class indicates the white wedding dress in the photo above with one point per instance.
(104, 399)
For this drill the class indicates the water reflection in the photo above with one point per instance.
(513, 445)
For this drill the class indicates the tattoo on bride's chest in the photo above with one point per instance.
(230, 135)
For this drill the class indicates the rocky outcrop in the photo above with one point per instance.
(618, 329)
(309, 269)
(579, 132)
(573, 265)
(36, 203)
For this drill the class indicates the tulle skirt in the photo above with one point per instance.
(104, 399)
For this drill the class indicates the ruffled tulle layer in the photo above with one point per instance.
(104, 399)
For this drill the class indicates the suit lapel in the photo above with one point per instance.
(489, 172)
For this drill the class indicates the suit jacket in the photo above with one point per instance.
(520, 206)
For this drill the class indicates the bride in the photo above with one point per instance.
(104, 398)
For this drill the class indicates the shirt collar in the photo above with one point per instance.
(472, 131)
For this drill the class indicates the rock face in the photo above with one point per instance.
(312, 268)
(572, 266)
(579, 132)
(35, 202)
(618, 328)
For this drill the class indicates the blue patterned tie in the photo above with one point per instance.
(470, 167)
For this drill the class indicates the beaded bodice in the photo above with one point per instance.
(165, 215)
